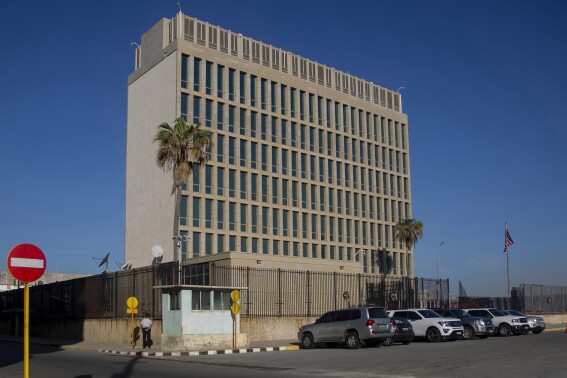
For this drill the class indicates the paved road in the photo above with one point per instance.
(542, 355)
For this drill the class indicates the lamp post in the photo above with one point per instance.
(438, 283)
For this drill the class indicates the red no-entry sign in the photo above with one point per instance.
(26, 262)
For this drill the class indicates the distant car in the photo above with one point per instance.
(403, 332)
(504, 323)
(353, 327)
(430, 325)
(536, 323)
(472, 325)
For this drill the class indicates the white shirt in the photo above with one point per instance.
(146, 323)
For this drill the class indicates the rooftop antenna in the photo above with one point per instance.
(179, 6)
(103, 261)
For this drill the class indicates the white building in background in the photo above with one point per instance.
(309, 167)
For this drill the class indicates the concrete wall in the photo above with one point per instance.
(272, 328)
(115, 331)
(554, 319)
(149, 204)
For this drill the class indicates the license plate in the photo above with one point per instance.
(405, 328)
(458, 333)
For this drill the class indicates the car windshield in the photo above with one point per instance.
(497, 312)
(429, 314)
(460, 313)
(514, 312)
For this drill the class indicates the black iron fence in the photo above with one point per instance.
(544, 299)
(266, 293)
(514, 302)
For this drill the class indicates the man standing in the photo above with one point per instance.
(146, 325)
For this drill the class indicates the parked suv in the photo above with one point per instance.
(505, 324)
(352, 326)
(536, 323)
(472, 325)
(429, 324)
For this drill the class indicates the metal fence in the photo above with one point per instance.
(514, 302)
(267, 293)
(544, 299)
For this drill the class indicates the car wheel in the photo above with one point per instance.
(433, 335)
(307, 341)
(352, 340)
(407, 342)
(468, 333)
(504, 330)
(388, 341)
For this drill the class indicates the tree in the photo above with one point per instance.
(180, 148)
(409, 231)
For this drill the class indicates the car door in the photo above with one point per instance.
(324, 327)
(418, 323)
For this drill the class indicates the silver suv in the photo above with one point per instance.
(504, 323)
(536, 323)
(352, 326)
(472, 325)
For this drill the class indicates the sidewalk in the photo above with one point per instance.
(156, 350)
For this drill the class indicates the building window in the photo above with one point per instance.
(196, 74)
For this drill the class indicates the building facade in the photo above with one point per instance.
(308, 168)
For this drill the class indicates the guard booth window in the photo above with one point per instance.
(221, 300)
(201, 300)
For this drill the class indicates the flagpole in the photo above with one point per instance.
(507, 262)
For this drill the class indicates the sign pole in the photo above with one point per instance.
(133, 330)
(26, 330)
(26, 263)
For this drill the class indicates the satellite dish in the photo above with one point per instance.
(157, 251)
(104, 260)
(101, 262)
(127, 265)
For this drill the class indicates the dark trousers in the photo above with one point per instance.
(147, 337)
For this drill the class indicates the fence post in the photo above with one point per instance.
(115, 295)
(152, 291)
(335, 288)
(360, 288)
(248, 290)
(308, 293)
(448, 294)
(279, 292)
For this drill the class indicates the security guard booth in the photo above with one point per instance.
(200, 318)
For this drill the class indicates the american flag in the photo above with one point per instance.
(507, 241)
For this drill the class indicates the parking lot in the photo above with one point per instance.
(543, 355)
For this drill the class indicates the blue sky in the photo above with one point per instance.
(484, 89)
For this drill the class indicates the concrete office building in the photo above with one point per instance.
(309, 167)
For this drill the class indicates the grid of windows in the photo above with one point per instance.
(288, 148)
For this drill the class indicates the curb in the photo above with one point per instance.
(197, 353)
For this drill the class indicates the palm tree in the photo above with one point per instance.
(180, 148)
(409, 231)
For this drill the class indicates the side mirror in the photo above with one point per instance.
(317, 321)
